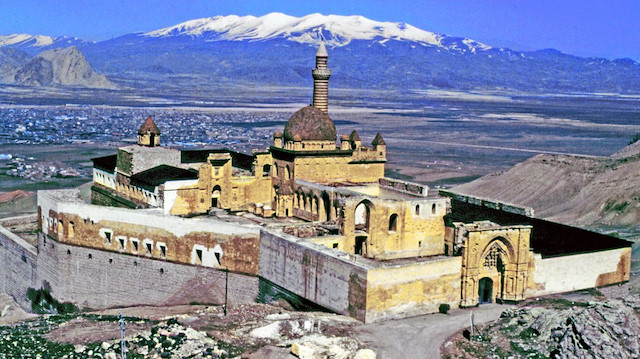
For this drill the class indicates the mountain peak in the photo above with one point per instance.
(66, 67)
(334, 30)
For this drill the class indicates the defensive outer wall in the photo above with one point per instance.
(95, 278)
(352, 285)
(296, 270)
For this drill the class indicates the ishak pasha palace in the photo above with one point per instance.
(311, 220)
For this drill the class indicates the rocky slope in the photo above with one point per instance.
(56, 67)
(575, 190)
(10, 61)
(556, 328)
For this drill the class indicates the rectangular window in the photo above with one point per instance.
(199, 256)
(135, 243)
(335, 245)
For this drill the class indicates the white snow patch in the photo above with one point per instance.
(334, 30)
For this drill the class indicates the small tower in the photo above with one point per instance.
(379, 145)
(354, 139)
(277, 139)
(344, 142)
(149, 133)
(321, 76)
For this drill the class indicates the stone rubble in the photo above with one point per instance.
(609, 329)
(167, 340)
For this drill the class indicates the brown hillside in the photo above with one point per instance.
(573, 190)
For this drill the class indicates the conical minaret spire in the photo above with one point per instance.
(321, 76)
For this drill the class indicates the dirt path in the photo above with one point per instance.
(421, 337)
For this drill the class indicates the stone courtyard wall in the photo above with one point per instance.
(410, 289)
(312, 272)
(579, 271)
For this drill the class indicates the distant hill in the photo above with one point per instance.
(10, 61)
(277, 49)
(16, 203)
(34, 44)
(56, 67)
(575, 190)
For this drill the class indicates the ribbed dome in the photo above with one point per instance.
(310, 124)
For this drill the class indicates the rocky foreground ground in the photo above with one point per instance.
(598, 323)
(194, 331)
(587, 324)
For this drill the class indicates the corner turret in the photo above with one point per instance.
(149, 133)
(379, 145)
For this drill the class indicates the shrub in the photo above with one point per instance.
(444, 308)
(42, 302)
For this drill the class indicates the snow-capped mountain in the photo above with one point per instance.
(33, 44)
(334, 30)
(278, 49)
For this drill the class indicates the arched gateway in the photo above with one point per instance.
(495, 263)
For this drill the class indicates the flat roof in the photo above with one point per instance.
(163, 173)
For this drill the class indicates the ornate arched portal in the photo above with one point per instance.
(495, 264)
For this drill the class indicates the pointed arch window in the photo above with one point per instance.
(494, 258)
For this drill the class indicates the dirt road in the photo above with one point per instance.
(421, 337)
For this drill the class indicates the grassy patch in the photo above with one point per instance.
(616, 207)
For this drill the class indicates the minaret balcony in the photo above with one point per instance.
(321, 74)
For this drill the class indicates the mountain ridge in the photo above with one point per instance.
(309, 29)
(275, 49)
(55, 67)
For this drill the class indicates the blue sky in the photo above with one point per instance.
(608, 29)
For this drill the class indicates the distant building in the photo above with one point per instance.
(314, 221)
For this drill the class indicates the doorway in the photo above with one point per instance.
(485, 290)
(360, 240)
(215, 195)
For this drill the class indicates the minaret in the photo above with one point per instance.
(321, 76)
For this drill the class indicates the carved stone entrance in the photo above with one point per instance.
(495, 262)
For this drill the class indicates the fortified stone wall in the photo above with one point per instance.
(307, 270)
(412, 289)
(200, 241)
(100, 279)
(18, 267)
(579, 271)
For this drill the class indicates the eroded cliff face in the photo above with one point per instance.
(60, 67)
